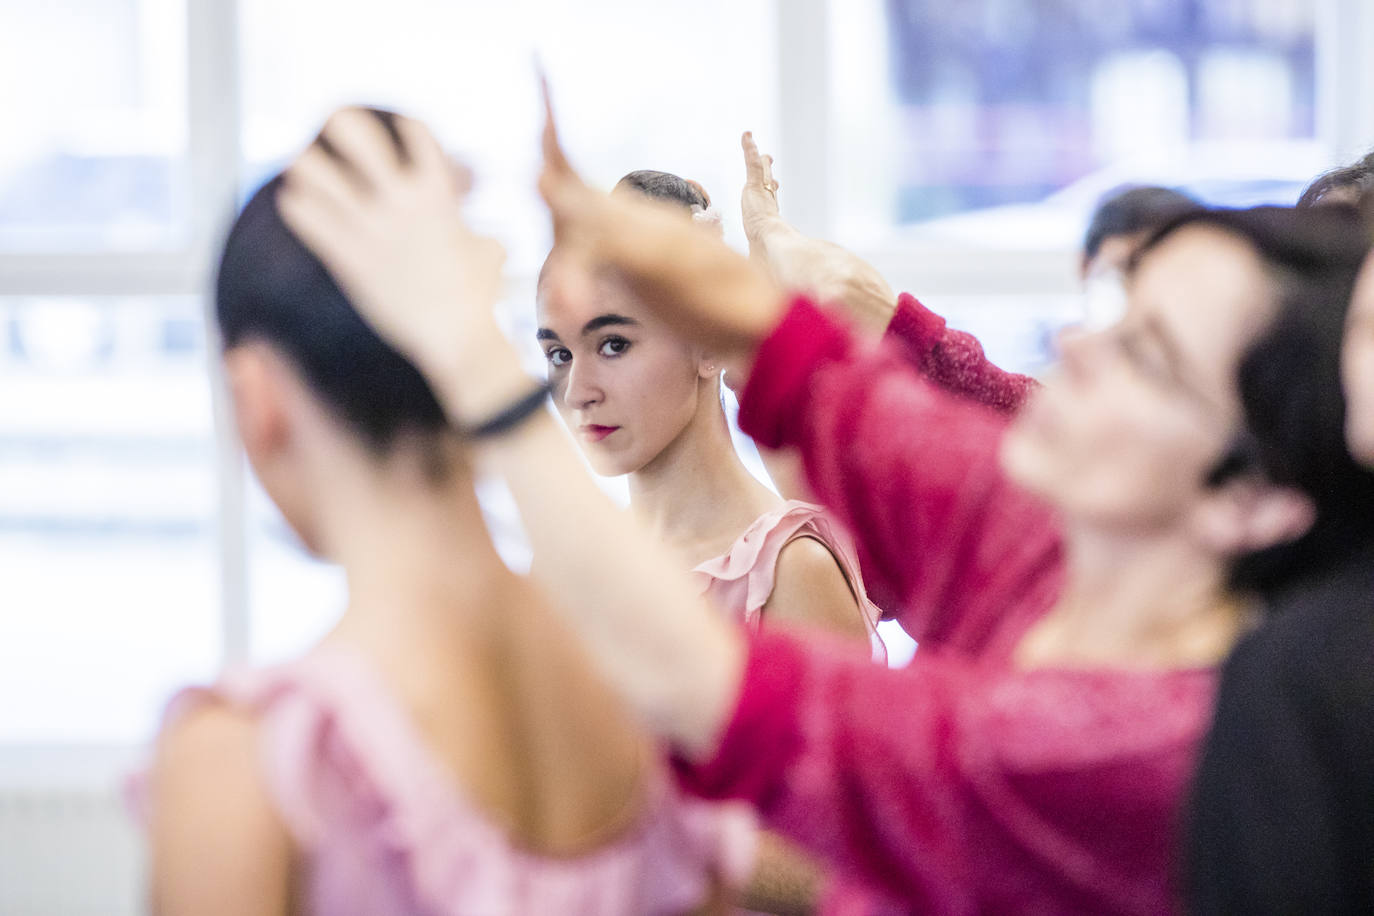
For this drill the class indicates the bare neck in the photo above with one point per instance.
(696, 495)
(1138, 602)
(496, 690)
(421, 568)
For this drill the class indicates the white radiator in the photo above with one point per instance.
(68, 852)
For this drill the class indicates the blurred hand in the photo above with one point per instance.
(392, 234)
(691, 279)
(833, 275)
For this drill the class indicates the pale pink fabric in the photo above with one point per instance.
(740, 580)
(383, 828)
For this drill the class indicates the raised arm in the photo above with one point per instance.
(858, 764)
(841, 280)
(954, 359)
(823, 270)
(912, 469)
(396, 243)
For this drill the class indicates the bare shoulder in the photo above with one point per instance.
(809, 587)
(216, 842)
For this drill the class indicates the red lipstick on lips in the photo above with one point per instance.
(596, 433)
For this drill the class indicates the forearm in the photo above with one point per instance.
(954, 360)
(634, 609)
(834, 276)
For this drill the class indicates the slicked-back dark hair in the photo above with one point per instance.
(1133, 210)
(270, 287)
(1290, 384)
(665, 186)
(1358, 178)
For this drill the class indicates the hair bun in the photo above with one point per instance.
(696, 186)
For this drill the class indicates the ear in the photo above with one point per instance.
(708, 367)
(1248, 514)
(259, 400)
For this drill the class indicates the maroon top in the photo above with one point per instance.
(959, 784)
(954, 360)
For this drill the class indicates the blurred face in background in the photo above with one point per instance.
(1127, 427)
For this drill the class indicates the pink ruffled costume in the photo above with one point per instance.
(383, 828)
(740, 580)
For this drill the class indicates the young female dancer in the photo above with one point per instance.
(643, 403)
(1077, 591)
(445, 749)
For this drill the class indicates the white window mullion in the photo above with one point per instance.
(804, 113)
(1345, 82)
(214, 117)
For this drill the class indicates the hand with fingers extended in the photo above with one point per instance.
(833, 275)
(709, 293)
(759, 201)
(380, 204)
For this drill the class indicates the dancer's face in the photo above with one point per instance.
(1357, 368)
(1129, 424)
(625, 384)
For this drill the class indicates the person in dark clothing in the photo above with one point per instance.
(1283, 803)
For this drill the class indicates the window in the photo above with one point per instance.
(96, 160)
(637, 86)
(1003, 115)
(988, 130)
(107, 514)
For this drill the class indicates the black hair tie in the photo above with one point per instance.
(511, 417)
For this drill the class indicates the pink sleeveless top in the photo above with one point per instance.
(383, 828)
(740, 580)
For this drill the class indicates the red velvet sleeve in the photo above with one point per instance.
(954, 360)
(944, 539)
(949, 787)
(858, 778)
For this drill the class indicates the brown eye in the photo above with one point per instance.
(558, 356)
(613, 346)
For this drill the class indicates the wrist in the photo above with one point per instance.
(477, 376)
(765, 231)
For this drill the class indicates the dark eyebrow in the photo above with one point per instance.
(546, 334)
(602, 321)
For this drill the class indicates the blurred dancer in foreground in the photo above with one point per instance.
(446, 749)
